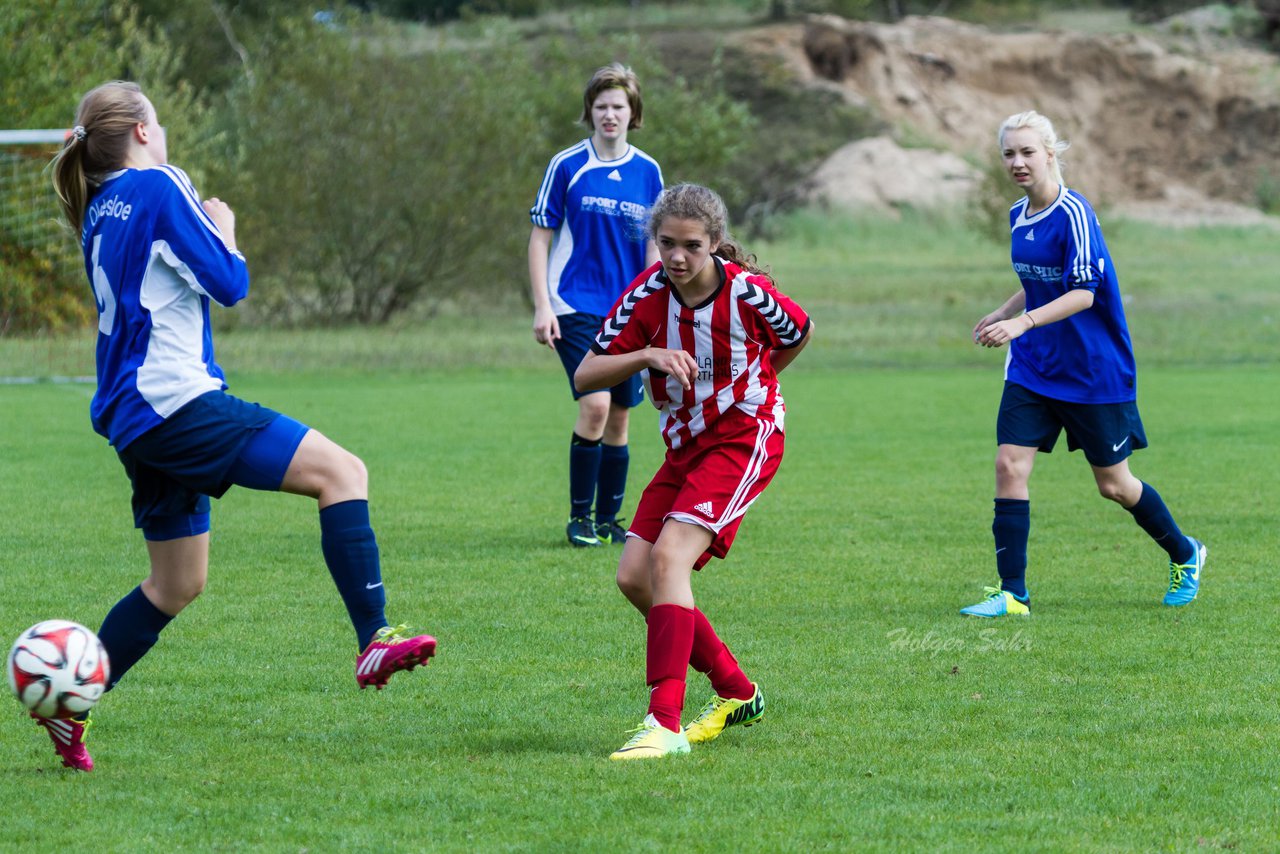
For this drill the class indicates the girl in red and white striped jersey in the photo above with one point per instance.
(709, 333)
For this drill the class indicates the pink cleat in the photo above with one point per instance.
(390, 652)
(68, 740)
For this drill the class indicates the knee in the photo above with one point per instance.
(634, 585)
(347, 473)
(664, 565)
(1009, 469)
(357, 472)
(189, 591)
(615, 429)
(174, 594)
(1116, 491)
(595, 412)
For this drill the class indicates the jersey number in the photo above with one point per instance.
(102, 292)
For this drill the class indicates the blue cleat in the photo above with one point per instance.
(581, 533)
(1184, 578)
(999, 603)
(611, 531)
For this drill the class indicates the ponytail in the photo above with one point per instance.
(96, 145)
(69, 181)
(730, 250)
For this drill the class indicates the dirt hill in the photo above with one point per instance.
(1155, 125)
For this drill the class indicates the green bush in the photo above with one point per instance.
(39, 292)
(56, 50)
(987, 210)
(367, 180)
(372, 176)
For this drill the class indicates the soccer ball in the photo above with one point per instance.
(58, 669)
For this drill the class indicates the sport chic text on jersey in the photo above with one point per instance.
(598, 210)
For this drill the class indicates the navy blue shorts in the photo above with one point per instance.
(1107, 432)
(202, 450)
(578, 332)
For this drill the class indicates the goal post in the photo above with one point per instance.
(42, 306)
(28, 209)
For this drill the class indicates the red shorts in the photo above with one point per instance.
(712, 481)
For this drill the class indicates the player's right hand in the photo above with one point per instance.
(676, 363)
(993, 317)
(546, 329)
(223, 217)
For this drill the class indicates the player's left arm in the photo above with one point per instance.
(200, 238)
(1072, 302)
(1081, 275)
(781, 321)
(782, 358)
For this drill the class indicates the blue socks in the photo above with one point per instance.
(1011, 527)
(584, 473)
(131, 628)
(1154, 517)
(351, 552)
(612, 485)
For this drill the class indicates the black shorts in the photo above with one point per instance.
(197, 453)
(1107, 432)
(577, 333)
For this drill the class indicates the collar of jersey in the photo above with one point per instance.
(1023, 219)
(597, 158)
(662, 277)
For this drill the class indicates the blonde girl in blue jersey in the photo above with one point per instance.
(1070, 367)
(156, 256)
(588, 242)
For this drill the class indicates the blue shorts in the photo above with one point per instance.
(1107, 432)
(578, 332)
(202, 450)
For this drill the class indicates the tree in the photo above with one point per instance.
(56, 51)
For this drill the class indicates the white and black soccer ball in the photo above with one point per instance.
(58, 669)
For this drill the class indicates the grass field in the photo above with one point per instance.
(1105, 722)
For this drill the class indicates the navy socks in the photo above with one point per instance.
(1154, 517)
(612, 485)
(131, 628)
(351, 552)
(584, 474)
(1011, 527)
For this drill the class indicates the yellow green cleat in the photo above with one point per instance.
(721, 713)
(999, 603)
(651, 740)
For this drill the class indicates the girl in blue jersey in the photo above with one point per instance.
(156, 255)
(1070, 366)
(588, 242)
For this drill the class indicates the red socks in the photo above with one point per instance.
(679, 637)
(712, 657)
(667, 661)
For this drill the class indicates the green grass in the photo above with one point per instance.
(1105, 722)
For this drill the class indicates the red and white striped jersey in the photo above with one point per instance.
(729, 335)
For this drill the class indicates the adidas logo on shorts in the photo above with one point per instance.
(705, 509)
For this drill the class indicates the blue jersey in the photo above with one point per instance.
(154, 259)
(599, 211)
(1086, 358)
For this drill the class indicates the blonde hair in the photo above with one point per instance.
(98, 144)
(1048, 137)
(615, 75)
(700, 204)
